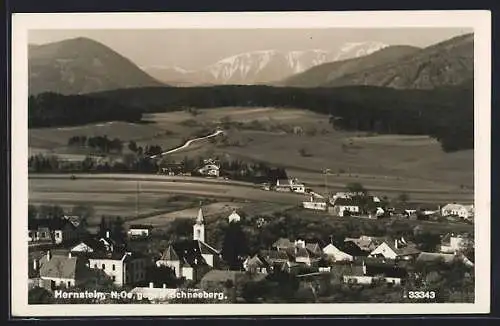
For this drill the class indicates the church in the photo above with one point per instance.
(191, 259)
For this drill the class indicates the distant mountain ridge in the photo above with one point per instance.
(447, 63)
(325, 73)
(82, 65)
(260, 67)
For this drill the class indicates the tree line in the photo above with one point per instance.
(446, 114)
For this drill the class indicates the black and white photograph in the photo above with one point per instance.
(260, 163)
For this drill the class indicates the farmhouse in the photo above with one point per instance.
(315, 204)
(431, 257)
(365, 243)
(336, 254)
(452, 243)
(210, 169)
(171, 168)
(257, 264)
(287, 185)
(51, 230)
(369, 273)
(234, 217)
(463, 211)
(63, 271)
(397, 249)
(139, 231)
(347, 206)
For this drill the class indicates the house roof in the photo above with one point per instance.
(341, 201)
(434, 257)
(62, 267)
(75, 220)
(409, 249)
(93, 243)
(257, 261)
(273, 255)
(313, 247)
(190, 252)
(234, 216)
(169, 254)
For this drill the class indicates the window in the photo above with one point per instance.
(103, 266)
(114, 278)
(113, 267)
(95, 265)
(69, 284)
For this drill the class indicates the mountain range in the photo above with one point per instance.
(259, 67)
(446, 63)
(81, 65)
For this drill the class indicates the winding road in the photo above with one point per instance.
(189, 142)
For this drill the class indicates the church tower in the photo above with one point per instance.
(199, 227)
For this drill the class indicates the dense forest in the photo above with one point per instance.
(446, 114)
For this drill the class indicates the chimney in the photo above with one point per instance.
(151, 285)
(396, 243)
(107, 234)
(164, 286)
(49, 255)
(69, 254)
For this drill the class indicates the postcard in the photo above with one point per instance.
(291, 163)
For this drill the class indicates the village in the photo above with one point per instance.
(64, 255)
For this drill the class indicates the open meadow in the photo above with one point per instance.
(301, 141)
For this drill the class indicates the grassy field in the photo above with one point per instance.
(386, 164)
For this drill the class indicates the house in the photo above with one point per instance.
(463, 211)
(56, 230)
(364, 243)
(171, 168)
(210, 170)
(305, 256)
(315, 204)
(139, 230)
(366, 274)
(288, 185)
(336, 254)
(89, 245)
(342, 194)
(451, 243)
(397, 249)
(191, 259)
(122, 267)
(234, 217)
(432, 257)
(257, 264)
(347, 206)
(63, 271)
(276, 257)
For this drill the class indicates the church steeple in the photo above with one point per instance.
(199, 227)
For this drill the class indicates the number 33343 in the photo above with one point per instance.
(421, 295)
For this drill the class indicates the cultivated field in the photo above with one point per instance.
(301, 141)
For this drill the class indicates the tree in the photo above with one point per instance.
(357, 188)
(85, 212)
(235, 246)
(103, 226)
(403, 197)
(32, 212)
(132, 145)
(427, 241)
(118, 231)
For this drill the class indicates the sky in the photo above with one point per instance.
(196, 48)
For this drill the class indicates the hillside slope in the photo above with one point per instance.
(82, 65)
(328, 72)
(444, 64)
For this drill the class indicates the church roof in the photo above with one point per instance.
(200, 219)
(234, 216)
(169, 254)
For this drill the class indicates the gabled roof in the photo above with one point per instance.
(190, 252)
(62, 267)
(234, 216)
(169, 254)
(273, 255)
(302, 252)
(92, 243)
(313, 247)
(409, 249)
(257, 262)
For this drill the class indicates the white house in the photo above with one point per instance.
(452, 243)
(139, 230)
(396, 249)
(234, 217)
(344, 206)
(54, 230)
(463, 211)
(122, 267)
(290, 185)
(210, 169)
(315, 205)
(336, 254)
